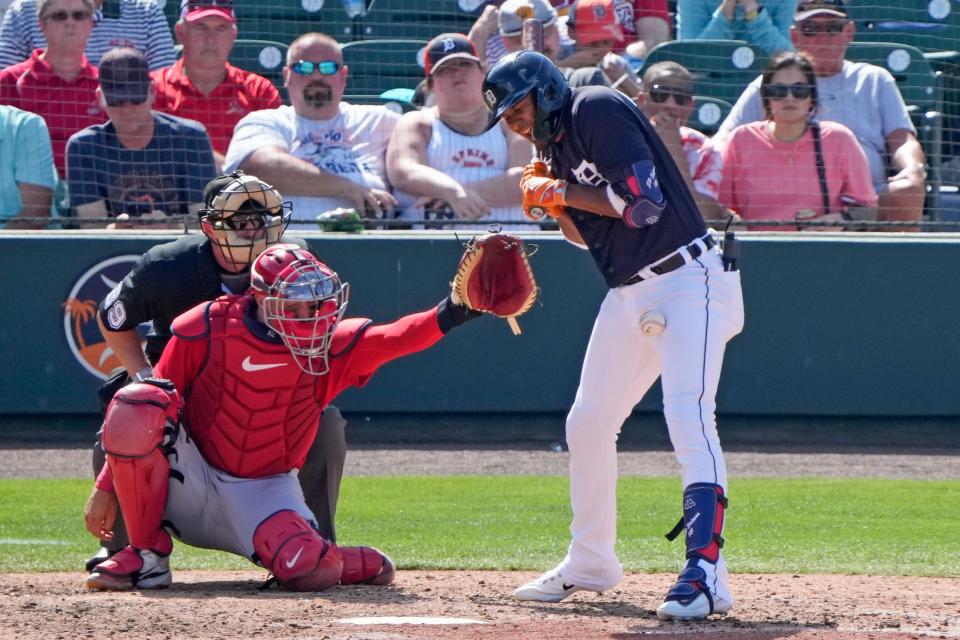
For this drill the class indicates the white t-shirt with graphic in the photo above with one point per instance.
(352, 145)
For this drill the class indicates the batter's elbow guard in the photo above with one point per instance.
(636, 194)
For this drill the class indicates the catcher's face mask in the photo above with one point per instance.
(303, 306)
(243, 219)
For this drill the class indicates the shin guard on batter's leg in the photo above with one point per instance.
(695, 594)
(366, 565)
(139, 420)
(297, 555)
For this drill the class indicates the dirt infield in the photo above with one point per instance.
(477, 604)
(474, 605)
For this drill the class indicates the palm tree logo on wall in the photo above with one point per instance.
(80, 314)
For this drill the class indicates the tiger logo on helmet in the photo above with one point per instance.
(303, 301)
(242, 216)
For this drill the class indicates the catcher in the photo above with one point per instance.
(207, 449)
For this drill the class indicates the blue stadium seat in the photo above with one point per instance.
(422, 19)
(721, 68)
(708, 114)
(378, 65)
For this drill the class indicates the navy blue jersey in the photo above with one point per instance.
(605, 133)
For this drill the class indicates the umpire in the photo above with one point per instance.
(241, 216)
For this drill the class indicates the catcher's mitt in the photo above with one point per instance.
(494, 276)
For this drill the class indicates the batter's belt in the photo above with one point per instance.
(673, 261)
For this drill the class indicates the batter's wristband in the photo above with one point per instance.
(562, 192)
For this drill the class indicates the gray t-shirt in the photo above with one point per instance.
(864, 97)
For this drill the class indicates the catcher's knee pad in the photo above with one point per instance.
(139, 418)
(299, 557)
(366, 565)
(703, 510)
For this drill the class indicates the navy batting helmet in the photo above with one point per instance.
(517, 74)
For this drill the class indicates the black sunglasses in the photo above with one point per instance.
(305, 67)
(120, 103)
(61, 16)
(833, 28)
(659, 94)
(779, 91)
(244, 221)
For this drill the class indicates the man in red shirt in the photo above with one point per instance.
(202, 85)
(58, 83)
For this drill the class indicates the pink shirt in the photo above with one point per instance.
(767, 179)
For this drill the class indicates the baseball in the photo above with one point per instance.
(652, 323)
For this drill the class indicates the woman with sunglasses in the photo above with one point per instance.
(772, 169)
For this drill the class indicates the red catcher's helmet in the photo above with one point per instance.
(303, 301)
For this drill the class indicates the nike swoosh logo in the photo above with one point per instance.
(567, 587)
(292, 561)
(249, 366)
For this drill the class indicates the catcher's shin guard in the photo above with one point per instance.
(139, 419)
(366, 565)
(299, 557)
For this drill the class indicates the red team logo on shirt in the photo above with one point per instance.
(80, 314)
(473, 158)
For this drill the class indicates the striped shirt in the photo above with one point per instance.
(118, 23)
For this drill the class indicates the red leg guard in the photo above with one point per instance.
(366, 565)
(138, 418)
(299, 557)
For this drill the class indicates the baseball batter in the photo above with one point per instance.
(614, 190)
(208, 450)
(242, 215)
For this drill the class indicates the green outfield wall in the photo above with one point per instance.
(835, 325)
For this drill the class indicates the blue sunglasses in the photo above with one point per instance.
(306, 68)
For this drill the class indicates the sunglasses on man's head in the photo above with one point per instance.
(811, 28)
(78, 15)
(800, 91)
(659, 94)
(306, 68)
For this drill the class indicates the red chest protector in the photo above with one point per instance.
(252, 411)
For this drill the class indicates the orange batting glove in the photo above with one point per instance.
(543, 193)
(536, 168)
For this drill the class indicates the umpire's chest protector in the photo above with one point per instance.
(252, 411)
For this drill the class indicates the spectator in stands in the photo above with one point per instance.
(765, 23)
(202, 85)
(595, 28)
(58, 83)
(624, 27)
(445, 156)
(861, 96)
(773, 169)
(667, 101)
(498, 32)
(140, 163)
(322, 153)
(27, 176)
(116, 23)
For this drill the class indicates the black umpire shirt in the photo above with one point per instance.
(605, 133)
(168, 280)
